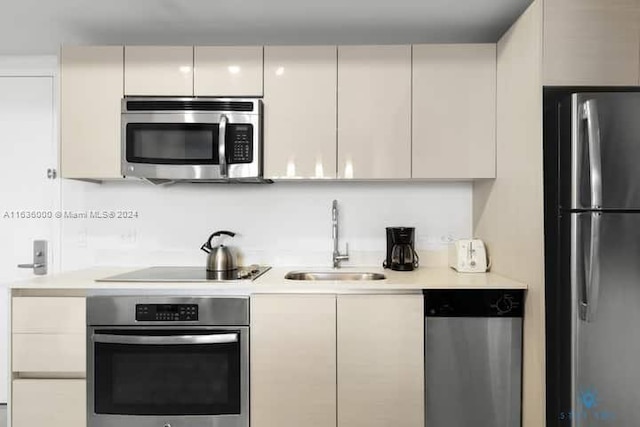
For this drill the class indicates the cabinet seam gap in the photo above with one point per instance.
(336, 356)
(337, 115)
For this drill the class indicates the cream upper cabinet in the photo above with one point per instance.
(227, 71)
(454, 111)
(591, 42)
(374, 112)
(158, 70)
(300, 86)
(380, 361)
(91, 91)
(293, 360)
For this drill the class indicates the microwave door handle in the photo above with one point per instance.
(590, 115)
(165, 340)
(222, 143)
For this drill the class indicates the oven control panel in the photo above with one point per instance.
(166, 312)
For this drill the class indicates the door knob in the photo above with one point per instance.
(39, 264)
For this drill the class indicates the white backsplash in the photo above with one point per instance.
(287, 223)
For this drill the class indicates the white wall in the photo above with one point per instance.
(287, 223)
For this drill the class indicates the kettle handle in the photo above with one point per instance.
(207, 245)
(416, 258)
(222, 232)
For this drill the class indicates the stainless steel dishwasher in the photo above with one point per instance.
(473, 347)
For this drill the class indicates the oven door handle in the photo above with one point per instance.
(166, 339)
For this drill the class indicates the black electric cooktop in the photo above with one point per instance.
(188, 274)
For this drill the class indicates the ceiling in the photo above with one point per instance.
(40, 26)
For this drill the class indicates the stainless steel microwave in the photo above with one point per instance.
(192, 139)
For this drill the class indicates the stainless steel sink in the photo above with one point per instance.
(333, 275)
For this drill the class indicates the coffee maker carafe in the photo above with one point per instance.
(401, 254)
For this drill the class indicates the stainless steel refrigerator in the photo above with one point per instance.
(592, 256)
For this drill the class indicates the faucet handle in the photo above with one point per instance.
(344, 256)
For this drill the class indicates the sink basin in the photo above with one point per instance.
(333, 275)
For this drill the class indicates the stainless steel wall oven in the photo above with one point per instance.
(168, 361)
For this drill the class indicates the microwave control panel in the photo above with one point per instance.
(166, 312)
(240, 143)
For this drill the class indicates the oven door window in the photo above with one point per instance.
(184, 379)
(172, 143)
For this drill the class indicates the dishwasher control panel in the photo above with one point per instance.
(166, 312)
(474, 303)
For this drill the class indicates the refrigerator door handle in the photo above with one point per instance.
(590, 115)
(589, 304)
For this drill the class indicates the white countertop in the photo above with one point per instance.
(273, 281)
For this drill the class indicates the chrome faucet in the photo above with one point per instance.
(337, 256)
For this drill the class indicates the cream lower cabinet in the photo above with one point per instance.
(380, 361)
(48, 362)
(345, 361)
(49, 402)
(293, 360)
(65, 353)
(454, 111)
(56, 324)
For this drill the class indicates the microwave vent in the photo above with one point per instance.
(190, 105)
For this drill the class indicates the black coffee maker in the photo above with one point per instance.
(401, 254)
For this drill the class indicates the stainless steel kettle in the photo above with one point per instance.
(220, 258)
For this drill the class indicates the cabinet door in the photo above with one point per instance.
(380, 361)
(293, 360)
(91, 93)
(41, 315)
(374, 112)
(52, 323)
(591, 42)
(454, 111)
(158, 70)
(227, 71)
(300, 111)
(66, 353)
(51, 403)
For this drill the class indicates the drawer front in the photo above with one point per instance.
(49, 353)
(33, 315)
(51, 403)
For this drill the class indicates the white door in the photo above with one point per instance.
(27, 150)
